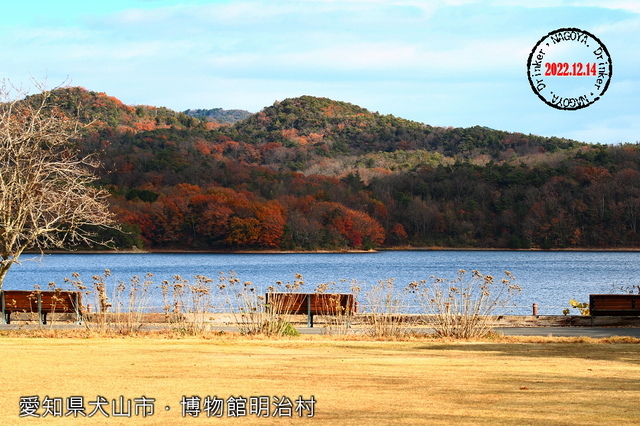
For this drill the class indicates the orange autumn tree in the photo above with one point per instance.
(360, 229)
(272, 218)
(213, 214)
(264, 228)
(243, 232)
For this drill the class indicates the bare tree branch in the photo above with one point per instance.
(47, 197)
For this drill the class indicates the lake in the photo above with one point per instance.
(547, 278)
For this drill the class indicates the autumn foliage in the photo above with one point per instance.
(222, 217)
(312, 173)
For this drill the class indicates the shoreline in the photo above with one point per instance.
(345, 251)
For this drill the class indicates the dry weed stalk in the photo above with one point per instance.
(385, 309)
(57, 300)
(131, 304)
(125, 315)
(464, 307)
(338, 318)
(253, 313)
(187, 305)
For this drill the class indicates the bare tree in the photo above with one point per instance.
(47, 197)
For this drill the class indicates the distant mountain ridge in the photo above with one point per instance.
(323, 126)
(222, 116)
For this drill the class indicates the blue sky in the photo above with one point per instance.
(444, 63)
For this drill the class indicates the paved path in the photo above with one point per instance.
(595, 332)
(570, 331)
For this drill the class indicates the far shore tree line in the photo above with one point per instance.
(572, 205)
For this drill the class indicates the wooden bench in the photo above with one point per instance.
(311, 304)
(42, 302)
(619, 305)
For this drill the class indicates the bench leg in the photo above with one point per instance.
(43, 318)
(309, 314)
(7, 319)
(310, 320)
(76, 306)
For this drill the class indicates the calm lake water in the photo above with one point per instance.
(547, 278)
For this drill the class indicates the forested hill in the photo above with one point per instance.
(314, 173)
(336, 128)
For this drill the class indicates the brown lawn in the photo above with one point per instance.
(353, 382)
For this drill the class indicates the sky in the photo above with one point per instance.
(445, 63)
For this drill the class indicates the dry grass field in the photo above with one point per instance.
(353, 382)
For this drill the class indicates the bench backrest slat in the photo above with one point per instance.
(20, 300)
(60, 301)
(614, 304)
(41, 301)
(311, 303)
